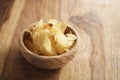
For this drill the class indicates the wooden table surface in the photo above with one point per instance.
(98, 23)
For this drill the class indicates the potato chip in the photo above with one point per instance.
(62, 43)
(49, 38)
(71, 37)
(63, 27)
(43, 44)
(37, 27)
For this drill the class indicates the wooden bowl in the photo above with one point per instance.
(47, 62)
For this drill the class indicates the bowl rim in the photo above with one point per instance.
(73, 49)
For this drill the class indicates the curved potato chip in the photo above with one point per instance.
(37, 27)
(71, 37)
(43, 44)
(62, 43)
(63, 27)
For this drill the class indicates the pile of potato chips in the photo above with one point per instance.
(49, 38)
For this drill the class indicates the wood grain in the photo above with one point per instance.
(98, 25)
(5, 10)
(8, 28)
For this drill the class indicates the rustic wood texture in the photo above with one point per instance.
(98, 23)
(9, 13)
